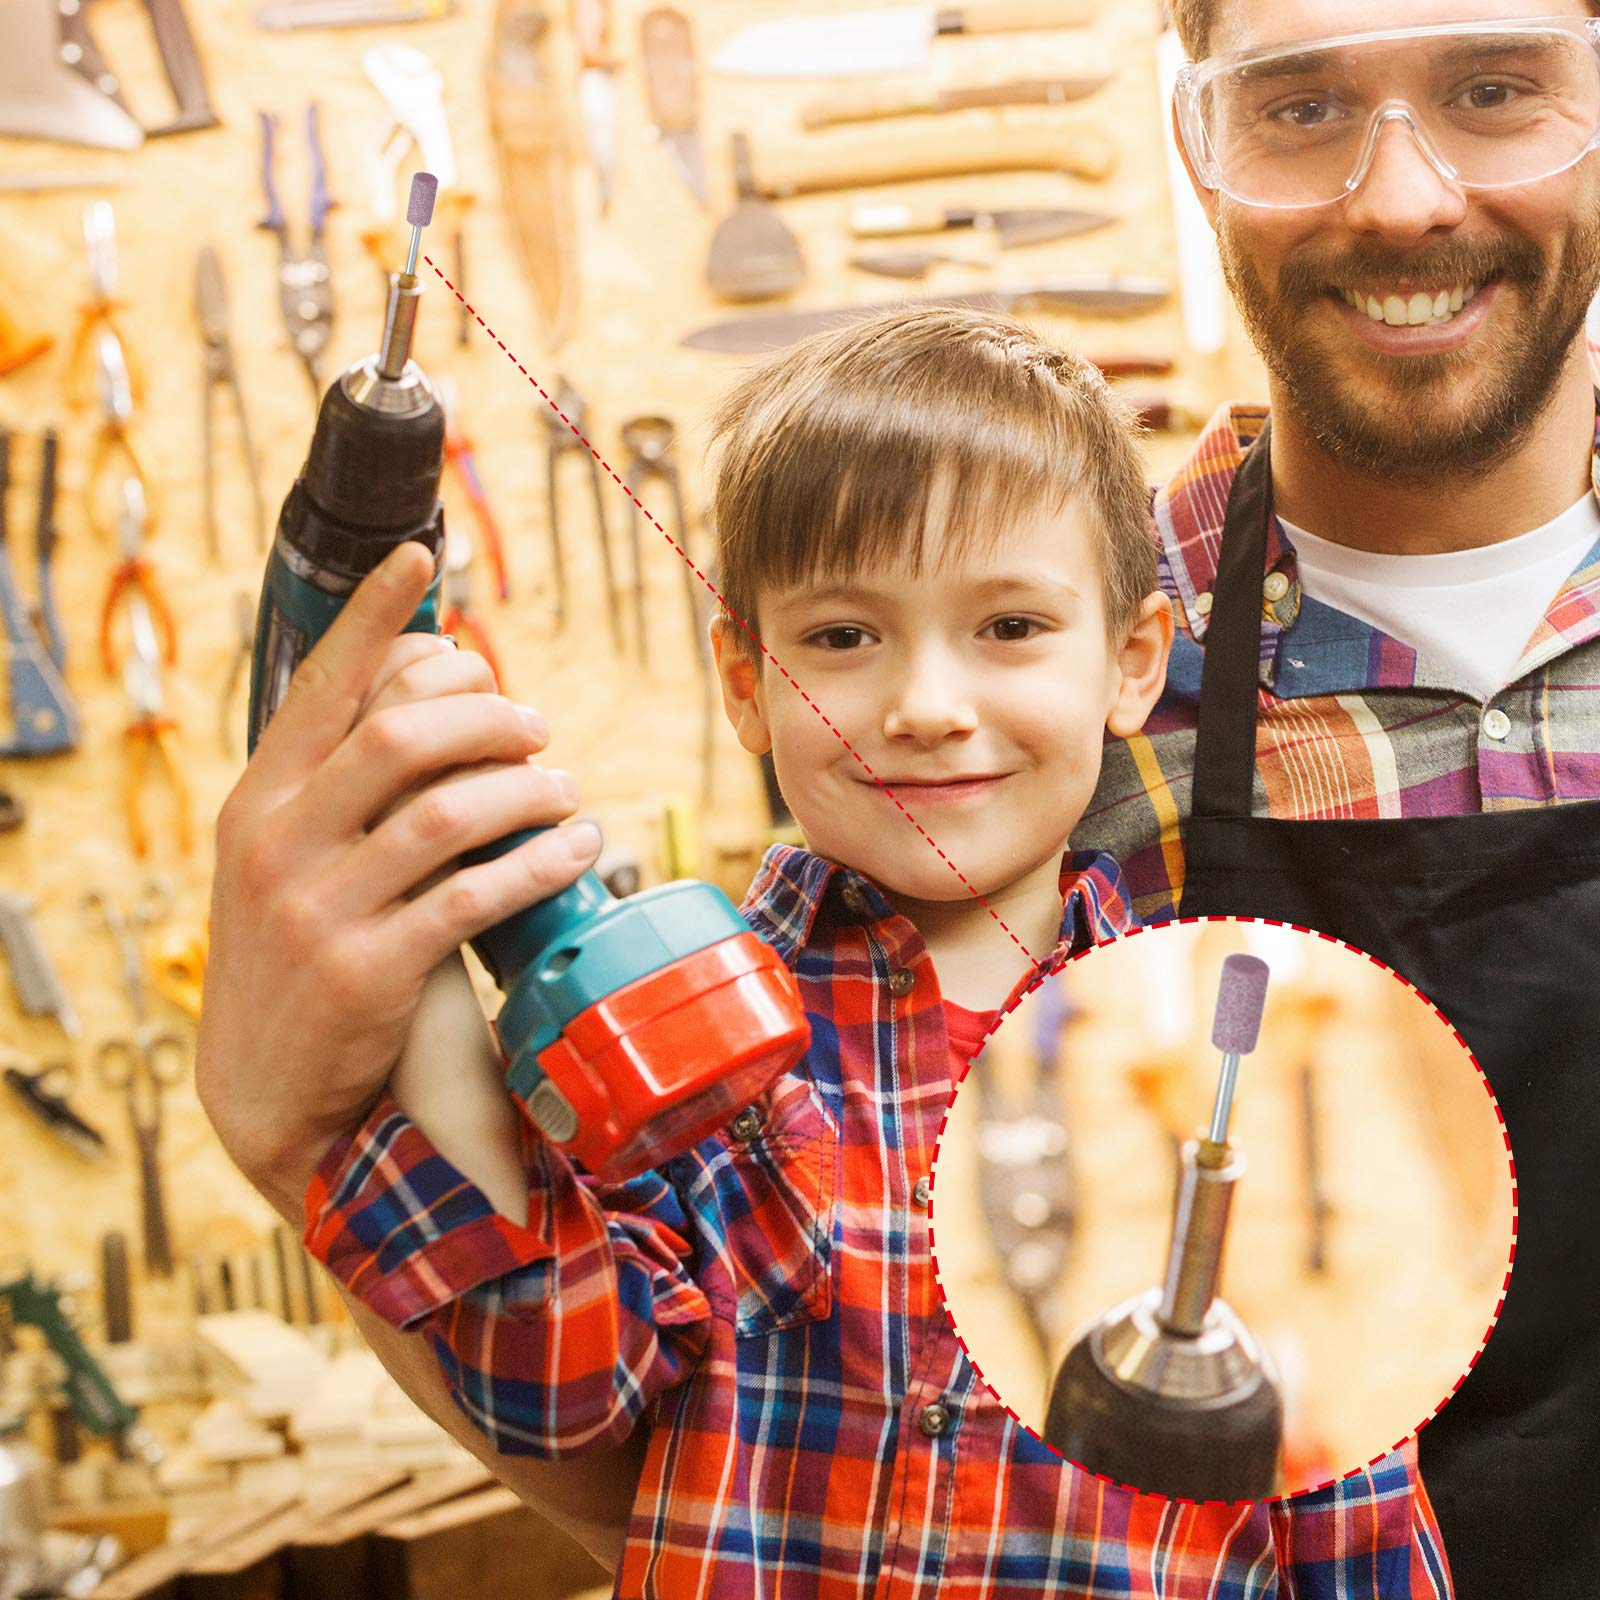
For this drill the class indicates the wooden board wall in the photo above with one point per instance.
(632, 737)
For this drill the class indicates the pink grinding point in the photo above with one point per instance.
(419, 204)
(1241, 998)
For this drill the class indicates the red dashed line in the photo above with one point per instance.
(689, 562)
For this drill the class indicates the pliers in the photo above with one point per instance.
(305, 287)
(150, 732)
(134, 578)
(564, 424)
(117, 435)
(99, 313)
(211, 303)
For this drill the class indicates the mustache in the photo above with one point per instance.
(1305, 278)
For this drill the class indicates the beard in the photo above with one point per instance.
(1398, 428)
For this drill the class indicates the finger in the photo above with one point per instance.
(404, 748)
(433, 677)
(326, 690)
(404, 654)
(430, 829)
(474, 898)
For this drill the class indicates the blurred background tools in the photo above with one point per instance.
(305, 285)
(874, 102)
(100, 313)
(666, 49)
(211, 305)
(46, 1094)
(180, 61)
(39, 989)
(597, 91)
(42, 713)
(1168, 1392)
(566, 434)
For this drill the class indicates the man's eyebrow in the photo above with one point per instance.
(1278, 67)
(1471, 49)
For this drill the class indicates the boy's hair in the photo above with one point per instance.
(1193, 19)
(828, 456)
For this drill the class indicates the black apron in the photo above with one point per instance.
(1496, 918)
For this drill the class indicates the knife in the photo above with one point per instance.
(667, 47)
(1105, 294)
(597, 92)
(858, 44)
(869, 103)
(1035, 225)
(847, 161)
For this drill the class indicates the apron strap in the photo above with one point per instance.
(1225, 739)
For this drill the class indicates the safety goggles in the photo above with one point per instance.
(1490, 105)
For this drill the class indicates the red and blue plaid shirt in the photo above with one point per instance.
(1350, 722)
(766, 1305)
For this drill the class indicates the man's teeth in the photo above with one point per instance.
(1414, 311)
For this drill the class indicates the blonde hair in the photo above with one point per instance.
(826, 457)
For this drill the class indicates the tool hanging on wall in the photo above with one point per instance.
(176, 962)
(532, 133)
(459, 456)
(754, 254)
(912, 264)
(117, 455)
(597, 91)
(1104, 294)
(458, 616)
(133, 581)
(44, 717)
(1010, 228)
(305, 285)
(18, 348)
(102, 311)
(871, 103)
(1168, 1392)
(151, 734)
(666, 48)
(45, 1093)
(180, 61)
(350, 13)
(44, 97)
(565, 433)
(853, 44)
(244, 621)
(40, 991)
(211, 305)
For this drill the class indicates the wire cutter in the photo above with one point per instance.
(134, 577)
(100, 312)
(305, 286)
(211, 303)
(564, 428)
(150, 732)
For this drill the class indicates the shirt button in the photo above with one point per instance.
(902, 981)
(1496, 723)
(934, 1419)
(1202, 603)
(854, 898)
(746, 1125)
(1276, 586)
(921, 1191)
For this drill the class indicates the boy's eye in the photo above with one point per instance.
(840, 638)
(1010, 630)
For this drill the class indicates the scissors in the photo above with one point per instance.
(142, 1070)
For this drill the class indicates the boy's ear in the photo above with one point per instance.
(742, 696)
(1207, 197)
(1142, 665)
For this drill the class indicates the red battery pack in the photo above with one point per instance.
(656, 1066)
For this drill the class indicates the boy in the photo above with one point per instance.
(940, 592)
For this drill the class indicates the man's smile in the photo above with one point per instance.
(1398, 319)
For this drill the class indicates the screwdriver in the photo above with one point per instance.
(1168, 1392)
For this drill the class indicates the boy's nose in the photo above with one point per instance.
(931, 706)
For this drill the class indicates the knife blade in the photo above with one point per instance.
(1105, 294)
(667, 48)
(858, 44)
(869, 103)
(1020, 226)
(597, 93)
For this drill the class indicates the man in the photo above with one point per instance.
(1382, 717)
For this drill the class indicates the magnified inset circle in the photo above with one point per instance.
(1224, 1210)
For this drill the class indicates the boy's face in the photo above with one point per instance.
(977, 690)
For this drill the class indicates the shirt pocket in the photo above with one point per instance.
(773, 1175)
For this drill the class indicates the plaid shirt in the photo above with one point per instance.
(767, 1305)
(1351, 723)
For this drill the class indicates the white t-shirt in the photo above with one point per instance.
(1469, 614)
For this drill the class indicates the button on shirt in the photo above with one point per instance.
(1351, 724)
(768, 1310)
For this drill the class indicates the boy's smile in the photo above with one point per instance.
(974, 694)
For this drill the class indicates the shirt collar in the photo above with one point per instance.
(1189, 511)
(795, 893)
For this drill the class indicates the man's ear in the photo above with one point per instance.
(1207, 197)
(1142, 666)
(740, 676)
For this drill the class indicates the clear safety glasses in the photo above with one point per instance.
(1490, 104)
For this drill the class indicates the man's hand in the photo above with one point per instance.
(318, 954)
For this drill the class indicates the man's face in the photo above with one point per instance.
(1409, 402)
(977, 690)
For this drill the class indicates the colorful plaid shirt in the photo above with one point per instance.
(1351, 723)
(766, 1305)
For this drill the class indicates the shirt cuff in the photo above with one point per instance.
(401, 1228)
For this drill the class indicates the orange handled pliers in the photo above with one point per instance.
(134, 580)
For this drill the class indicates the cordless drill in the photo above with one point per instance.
(632, 1028)
(1168, 1392)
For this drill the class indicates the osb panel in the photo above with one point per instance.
(633, 736)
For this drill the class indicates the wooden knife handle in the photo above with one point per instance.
(669, 78)
(868, 103)
(892, 155)
(1013, 16)
(889, 221)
